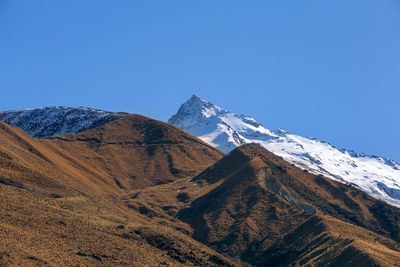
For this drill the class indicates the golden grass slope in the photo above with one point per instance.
(136, 152)
(60, 204)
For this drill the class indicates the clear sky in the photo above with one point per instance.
(328, 69)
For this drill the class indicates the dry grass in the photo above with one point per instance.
(62, 206)
(133, 192)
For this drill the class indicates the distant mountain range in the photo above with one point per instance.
(225, 130)
(134, 191)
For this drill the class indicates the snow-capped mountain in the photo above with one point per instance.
(49, 121)
(379, 177)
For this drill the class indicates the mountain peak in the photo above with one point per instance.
(207, 109)
(194, 111)
(216, 126)
(196, 98)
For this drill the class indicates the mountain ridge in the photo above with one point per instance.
(58, 120)
(225, 130)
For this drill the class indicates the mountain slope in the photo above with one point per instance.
(325, 241)
(270, 213)
(379, 177)
(61, 201)
(127, 153)
(72, 200)
(49, 121)
(137, 152)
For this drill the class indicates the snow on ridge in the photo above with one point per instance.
(378, 176)
(57, 120)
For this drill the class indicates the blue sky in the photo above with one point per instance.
(328, 69)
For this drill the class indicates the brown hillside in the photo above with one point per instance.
(259, 198)
(243, 207)
(132, 152)
(325, 241)
(60, 204)
(136, 152)
(140, 192)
